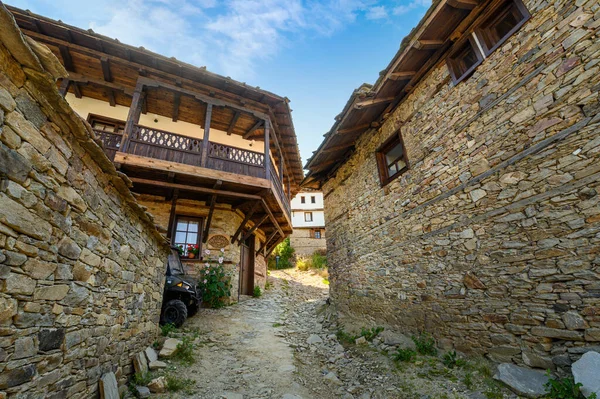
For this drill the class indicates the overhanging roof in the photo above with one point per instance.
(88, 44)
(369, 106)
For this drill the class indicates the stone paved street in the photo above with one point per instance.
(283, 345)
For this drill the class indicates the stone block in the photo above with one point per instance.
(19, 284)
(68, 248)
(17, 376)
(24, 347)
(14, 165)
(51, 293)
(586, 371)
(557, 333)
(158, 385)
(169, 347)
(8, 308)
(23, 220)
(109, 389)
(151, 354)
(50, 339)
(524, 382)
(140, 364)
(39, 269)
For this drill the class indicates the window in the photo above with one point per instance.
(108, 125)
(313, 199)
(391, 159)
(187, 232)
(317, 234)
(308, 217)
(464, 60)
(303, 200)
(501, 23)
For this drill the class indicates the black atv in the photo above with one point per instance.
(181, 297)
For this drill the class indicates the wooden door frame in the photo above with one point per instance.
(251, 265)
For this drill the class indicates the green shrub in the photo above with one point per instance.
(141, 379)
(451, 360)
(185, 351)
(468, 380)
(303, 264)
(175, 383)
(268, 285)
(167, 329)
(286, 256)
(404, 355)
(371, 333)
(425, 344)
(319, 260)
(215, 282)
(257, 292)
(343, 336)
(564, 388)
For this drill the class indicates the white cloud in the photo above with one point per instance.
(403, 9)
(378, 12)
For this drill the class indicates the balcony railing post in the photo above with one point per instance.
(267, 152)
(206, 139)
(281, 166)
(134, 115)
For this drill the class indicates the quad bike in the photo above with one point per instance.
(181, 297)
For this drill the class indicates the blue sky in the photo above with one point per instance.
(313, 52)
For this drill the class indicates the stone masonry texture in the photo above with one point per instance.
(81, 264)
(304, 243)
(491, 241)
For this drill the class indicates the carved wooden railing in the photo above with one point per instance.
(159, 144)
(111, 141)
(235, 160)
(276, 180)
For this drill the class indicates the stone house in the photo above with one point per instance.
(214, 161)
(461, 189)
(308, 220)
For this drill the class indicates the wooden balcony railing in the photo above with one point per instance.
(172, 147)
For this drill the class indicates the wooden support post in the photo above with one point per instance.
(236, 116)
(262, 247)
(176, 102)
(253, 229)
(106, 74)
(64, 87)
(213, 201)
(206, 138)
(172, 214)
(267, 152)
(288, 189)
(66, 57)
(281, 165)
(77, 90)
(273, 219)
(246, 219)
(252, 130)
(134, 115)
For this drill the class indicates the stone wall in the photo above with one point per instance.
(225, 222)
(304, 243)
(491, 241)
(81, 264)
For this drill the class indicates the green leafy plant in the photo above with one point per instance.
(564, 388)
(215, 282)
(268, 285)
(167, 329)
(468, 380)
(451, 360)
(371, 333)
(319, 260)
(343, 336)
(404, 355)
(142, 379)
(286, 256)
(257, 293)
(185, 351)
(175, 383)
(425, 344)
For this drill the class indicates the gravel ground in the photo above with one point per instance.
(284, 345)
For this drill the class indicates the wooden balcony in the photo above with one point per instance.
(146, 144)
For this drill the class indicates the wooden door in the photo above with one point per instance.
(247, 270)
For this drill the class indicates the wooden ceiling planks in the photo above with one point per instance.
(419, 52)
(126, 63)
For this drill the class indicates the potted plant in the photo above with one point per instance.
(180, 250)
(192, 251)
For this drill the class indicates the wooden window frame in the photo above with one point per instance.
(302, 199)
(109, 121)
(200, 230)
(311, 216)
(313, 199)
(382, 165)
(453, 64)
(480, 33)
(483, 32)
(315, 232)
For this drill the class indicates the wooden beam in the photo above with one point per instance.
(279, 240)
(253, 229)
(267, 241)
(273, 219)
(404, 75)
(206, 137)
(338, 147)
(66, 57)
(253, 129)
(111, 97)
(133, 116)
(78, 78)
(428, 44)
(213, 201)
(172, 214)
(106, 69)
(77, 90)
(189, 170)
(373, 102)
(267, 153)
(176, 102)
(246, 219)
(64, 87)
(463, 4)
(354, 128)
(194, 189)
(233, 122)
